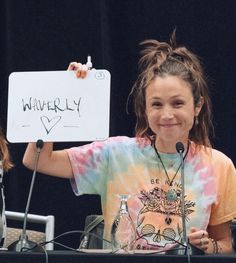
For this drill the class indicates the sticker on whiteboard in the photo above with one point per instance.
(57, 106)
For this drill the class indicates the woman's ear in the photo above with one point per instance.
(199, 105)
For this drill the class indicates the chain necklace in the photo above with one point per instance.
(171, 195)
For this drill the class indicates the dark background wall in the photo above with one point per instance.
(48, 34)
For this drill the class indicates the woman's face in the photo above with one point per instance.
(170, 109)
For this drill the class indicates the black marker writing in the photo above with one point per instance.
(56, 105)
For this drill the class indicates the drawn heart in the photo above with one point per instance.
(49, 123)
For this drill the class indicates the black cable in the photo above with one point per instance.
(160, 251)
(64, 246)
(26, 249)
(75, 232)
(103, 239)
(42, 244)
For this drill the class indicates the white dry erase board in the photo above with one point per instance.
(57, 106)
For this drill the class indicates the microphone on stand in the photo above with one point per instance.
(23, 242)
(190, 249)
(180, 149)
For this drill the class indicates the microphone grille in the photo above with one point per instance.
(179, 147)
(39, 144)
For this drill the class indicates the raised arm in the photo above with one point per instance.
(50, 162)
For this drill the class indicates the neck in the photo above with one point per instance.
(169, 147)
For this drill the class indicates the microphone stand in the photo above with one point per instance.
(23, 242)
(180, 150)
(184, 239)
(189, 249)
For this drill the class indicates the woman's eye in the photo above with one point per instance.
(178, 103)
(156, 104)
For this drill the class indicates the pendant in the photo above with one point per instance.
(168, 219)
(171, 195)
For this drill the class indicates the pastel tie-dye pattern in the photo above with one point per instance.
(122, 165)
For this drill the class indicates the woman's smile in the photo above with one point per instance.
(169, 125)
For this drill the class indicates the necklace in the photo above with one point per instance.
(171, 195)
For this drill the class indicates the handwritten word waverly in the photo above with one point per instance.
(56, 105)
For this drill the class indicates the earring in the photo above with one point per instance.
(196, 120)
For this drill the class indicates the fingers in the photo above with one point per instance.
(81, 70)
(199, 238)
(193, 229)
(72, 66)
(204, 243)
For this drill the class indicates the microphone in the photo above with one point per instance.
(179, 147)
(23, 242)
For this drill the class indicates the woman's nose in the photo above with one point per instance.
(167, 113)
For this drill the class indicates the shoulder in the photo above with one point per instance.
(220, 155)
(222, 162)
(124, 141)
(215, 157)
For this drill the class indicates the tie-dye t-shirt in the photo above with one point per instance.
(122, 165)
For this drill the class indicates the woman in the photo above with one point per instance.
(172, 105)
(5, 165)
